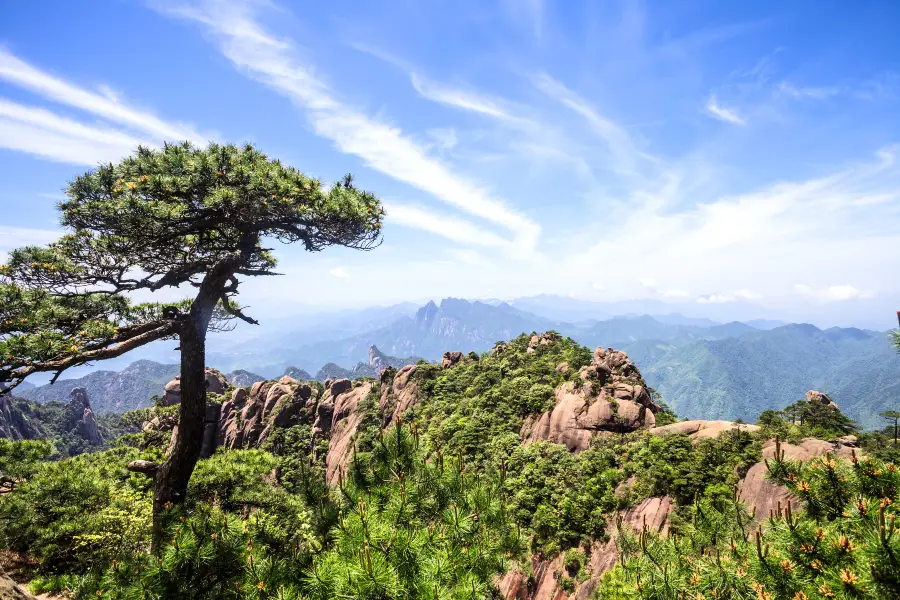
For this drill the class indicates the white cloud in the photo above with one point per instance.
(467, 256)
(460, 99)
(834, 293)
(451, 228)
(617, 139)
(648, 282)
(340, 273)
(801, 93)
(724, 297)
(757, 241)
(16, 237)
(716, 299)
(383, 147)
(599, 287)
(444, 137)
(675, 294)
(105, 105)
(722, 113)
(746, 295)
(40, 132)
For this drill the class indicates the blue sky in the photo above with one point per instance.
(695, 152)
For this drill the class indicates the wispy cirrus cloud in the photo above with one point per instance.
(274, 62)
(16, 237)
(722, 113)
(460, 99)
(808, 92)
(42, 132)
(628, 157)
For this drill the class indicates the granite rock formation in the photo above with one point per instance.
(611, 397)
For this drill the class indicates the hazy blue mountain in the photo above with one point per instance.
(111, 391)
(739, 377)
(242, 378)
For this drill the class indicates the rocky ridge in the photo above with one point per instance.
(612, 397)
(609, 396)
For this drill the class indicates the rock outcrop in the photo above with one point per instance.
(611, 397)
(450, 358)
(81, 417)
(399, 392)
(761, 494)
(9, 590)
(814, 397)
(652, 513)
(246, 419)
(15, 424)
(216, 383)
(343, 399)
(699, 429)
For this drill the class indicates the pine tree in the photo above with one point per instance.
(179, 217)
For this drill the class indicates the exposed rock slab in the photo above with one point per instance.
(699, 429)
(344, 424)
(613, 398)
(761, 494)
(652, 512)
(9, 590)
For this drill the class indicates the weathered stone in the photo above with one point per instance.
(450, 359)
(345, 422)
(9, 590)
(401, 395)
(761, 494)
(339, 386)
(699, 429)
(813, 396)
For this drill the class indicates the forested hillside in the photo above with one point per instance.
(740, 377)
(536, 470)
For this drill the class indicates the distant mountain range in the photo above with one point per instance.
(110, 391)
(703, 368)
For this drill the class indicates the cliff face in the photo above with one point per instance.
(612, 397)
(15, 424)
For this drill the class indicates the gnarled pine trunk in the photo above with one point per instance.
(171, 480)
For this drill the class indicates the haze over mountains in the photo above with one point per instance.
(703, 368)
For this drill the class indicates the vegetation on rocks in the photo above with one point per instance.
(442, 499)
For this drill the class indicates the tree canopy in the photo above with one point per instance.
(163, 218)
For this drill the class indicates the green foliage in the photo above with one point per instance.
(844, 545)
(562, 498)
(19, 460)
(478, 401)
(673, 465)
(415, 528)
(411, 526)
(804, 419)
(78, 514)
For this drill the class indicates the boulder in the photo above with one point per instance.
(338, 387)
(761, 494)
(699, 429)
(450, 359)
(216, 383)
(9, 590)
(614, 398)
(813, 396)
